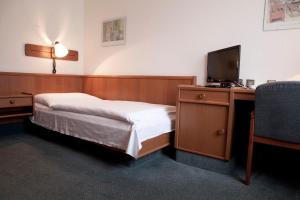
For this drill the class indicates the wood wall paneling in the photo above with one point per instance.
(14, 83)
(152, 89)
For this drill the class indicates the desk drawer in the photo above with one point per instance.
(15, 102)
(202, 95)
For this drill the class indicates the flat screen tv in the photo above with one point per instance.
(223, 66)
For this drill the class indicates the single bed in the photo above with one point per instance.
(136, 128)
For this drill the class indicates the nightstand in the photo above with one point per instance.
(205, 116)
(15, 106)
(202, 121)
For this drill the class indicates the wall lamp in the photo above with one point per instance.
(56, 52)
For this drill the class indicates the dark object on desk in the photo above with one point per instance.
(241, 82)
(276, 120)
(222, 85)
(250, 83)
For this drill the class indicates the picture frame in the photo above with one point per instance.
(114, 32)
(281, 14)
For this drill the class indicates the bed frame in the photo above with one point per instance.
(155, 144)
(151, 89)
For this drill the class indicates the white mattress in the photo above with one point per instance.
(110, 132)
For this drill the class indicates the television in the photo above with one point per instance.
(223, 66)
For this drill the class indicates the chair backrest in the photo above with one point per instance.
(277, 111)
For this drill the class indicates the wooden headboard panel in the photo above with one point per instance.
(152, 89)
(39, 83)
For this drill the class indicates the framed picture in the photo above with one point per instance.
(114, 32)
(282, 14)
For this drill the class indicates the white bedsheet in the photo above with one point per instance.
(129, 111)
(114, 133)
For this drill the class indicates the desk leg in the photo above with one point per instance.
(250, 151)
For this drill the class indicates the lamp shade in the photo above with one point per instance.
(60, 50)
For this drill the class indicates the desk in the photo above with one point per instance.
(205, 119)
(243, 94)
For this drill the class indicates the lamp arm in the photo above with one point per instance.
(53, 60)
(54, 65)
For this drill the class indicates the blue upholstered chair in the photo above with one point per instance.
(276, 120)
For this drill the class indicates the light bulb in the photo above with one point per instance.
(60, 50)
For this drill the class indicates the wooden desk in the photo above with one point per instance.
(243, 94)
(205, 119)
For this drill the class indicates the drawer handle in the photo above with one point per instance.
(12, 101)
(221, 132)
(201, 96)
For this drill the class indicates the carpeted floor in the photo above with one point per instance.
(54, 167)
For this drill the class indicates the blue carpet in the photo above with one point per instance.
(47, 166)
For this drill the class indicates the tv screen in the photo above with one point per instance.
(223, 65)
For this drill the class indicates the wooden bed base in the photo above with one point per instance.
(152, 89)
(149, 146)
(152, 145)
(155, 144)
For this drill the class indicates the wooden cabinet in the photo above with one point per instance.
(202, 124)
(15, 106)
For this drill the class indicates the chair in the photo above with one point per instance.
(276, 120)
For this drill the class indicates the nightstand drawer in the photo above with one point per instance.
(202, 95)
(15, 102)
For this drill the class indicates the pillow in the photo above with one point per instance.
(49, 99)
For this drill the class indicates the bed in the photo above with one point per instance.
(135, 128)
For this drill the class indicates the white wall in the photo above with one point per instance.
(164, 37)
(40, 22)
(172, 37)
